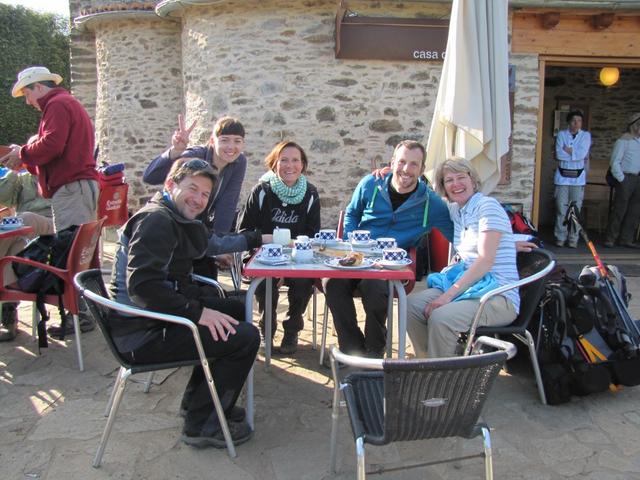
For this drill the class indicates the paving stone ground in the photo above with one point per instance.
(51, 421)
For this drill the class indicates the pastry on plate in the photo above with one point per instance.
(353, 259)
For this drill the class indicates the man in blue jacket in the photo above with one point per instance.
(402, 206)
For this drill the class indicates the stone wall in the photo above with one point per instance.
(83, 63)
(139, 94)
(271, 63)
(524, 133)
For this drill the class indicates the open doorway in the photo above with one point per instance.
(569, 86)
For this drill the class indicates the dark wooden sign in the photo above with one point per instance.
(381, 38)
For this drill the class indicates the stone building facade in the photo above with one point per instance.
(271, 63)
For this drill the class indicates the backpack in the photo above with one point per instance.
(52, 250)
(582, 346)
(519, 223)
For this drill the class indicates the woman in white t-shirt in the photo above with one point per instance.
(484, 243)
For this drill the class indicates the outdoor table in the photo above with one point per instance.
(15, 232)
(318, 269)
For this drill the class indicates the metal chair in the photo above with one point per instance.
(533, 268)
(81, 257)
(417, 399)
(92, 288)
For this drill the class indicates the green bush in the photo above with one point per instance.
(28, 38)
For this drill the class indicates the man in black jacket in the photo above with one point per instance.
(152, 270)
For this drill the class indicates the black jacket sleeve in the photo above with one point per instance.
(148, 283)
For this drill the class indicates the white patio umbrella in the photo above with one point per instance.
(471, 117)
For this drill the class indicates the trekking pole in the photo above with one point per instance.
(571, 220)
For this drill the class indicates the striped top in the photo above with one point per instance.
(483, 214)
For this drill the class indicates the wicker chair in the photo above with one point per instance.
(417, 399)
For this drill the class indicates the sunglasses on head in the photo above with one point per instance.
(197, 164)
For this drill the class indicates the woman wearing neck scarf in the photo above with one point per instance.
(283, 198)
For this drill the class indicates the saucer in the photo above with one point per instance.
(318, 241)
(281, 260)
(11, 226)
(394, 265)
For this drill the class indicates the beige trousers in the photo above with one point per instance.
(75, 203)
(438, 336)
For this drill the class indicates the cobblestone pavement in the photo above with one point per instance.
(51, 421)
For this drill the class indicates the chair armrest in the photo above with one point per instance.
(211, 282)
(134, 311)
(58, 272)
(497, 291)
(508, 347)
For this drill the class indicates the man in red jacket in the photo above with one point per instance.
(62, 154)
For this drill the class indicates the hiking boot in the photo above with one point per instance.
(86, 325)
(9, 328)
(608, 243)
(240, 433)
(289, 344)
(572, 244)
(237, 414)
(559, 243)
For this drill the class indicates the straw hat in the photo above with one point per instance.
(32, 75)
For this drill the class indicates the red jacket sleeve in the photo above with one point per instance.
(52, 136)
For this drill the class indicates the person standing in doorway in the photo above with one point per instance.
(572, 154)
(625, 167)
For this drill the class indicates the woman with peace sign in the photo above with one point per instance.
(224, 153)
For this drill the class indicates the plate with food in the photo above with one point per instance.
(352, 261)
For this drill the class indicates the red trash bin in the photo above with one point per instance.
(438, 250)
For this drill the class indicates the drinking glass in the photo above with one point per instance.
(282, 236)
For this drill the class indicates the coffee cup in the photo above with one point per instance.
(302, 255)
(301, 244)
(302, 238)
(325, 234)
(12, 222)
(360, 236)
(394, 254)
(272, 250)
(385, 242)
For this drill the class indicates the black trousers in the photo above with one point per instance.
(300, 291)
(625, 216)
(230, 363)
(375, 295)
